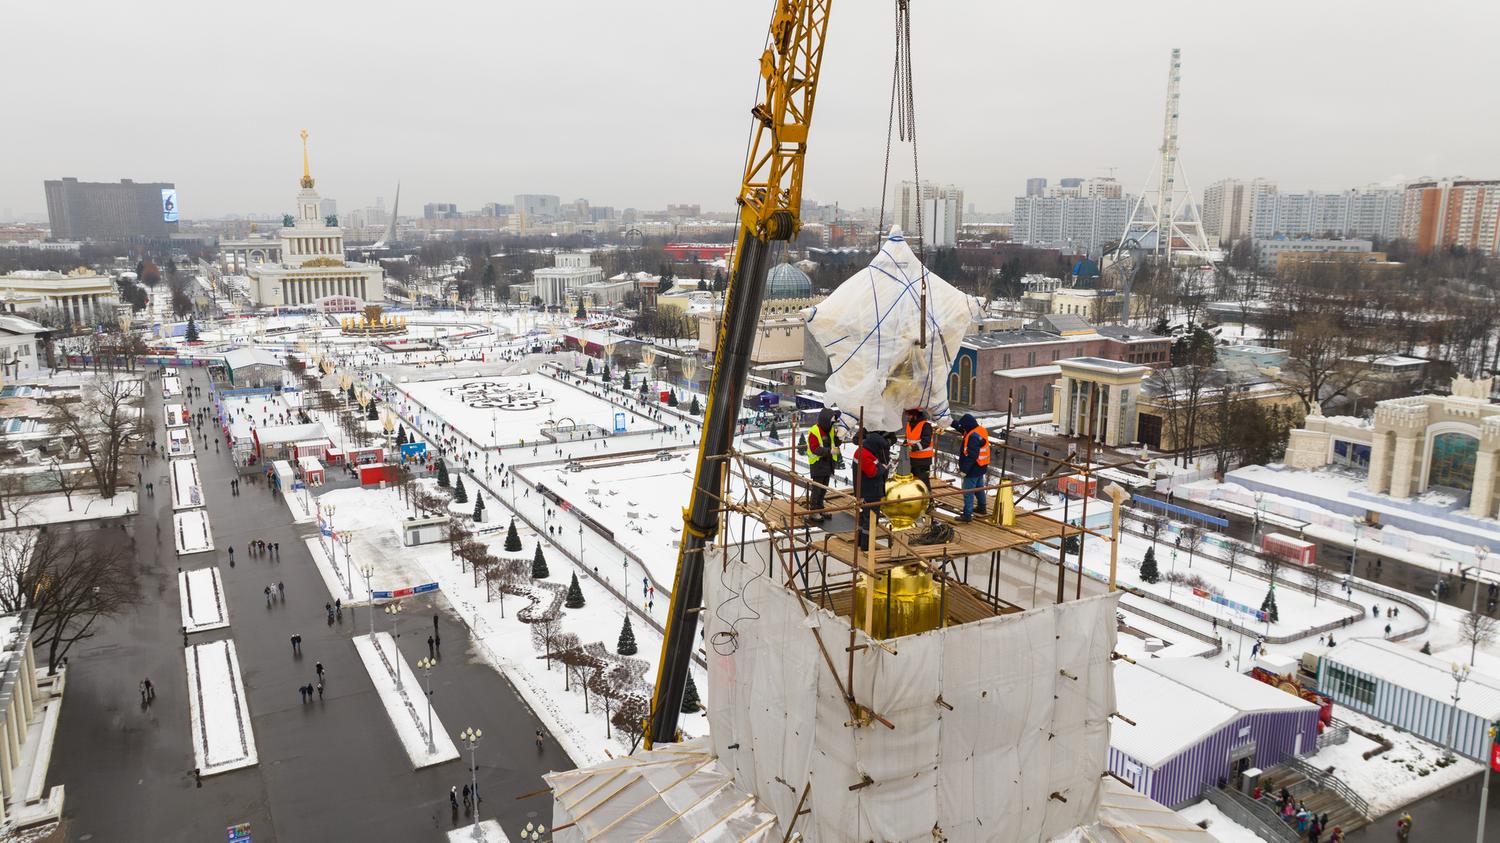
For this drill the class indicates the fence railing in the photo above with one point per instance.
(1257, 817)
(1328, 781)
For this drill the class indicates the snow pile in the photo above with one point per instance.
(1218, 824)
(871, 328)
(404, 703)
(220, 715)
(202, 599)
(1411, 769)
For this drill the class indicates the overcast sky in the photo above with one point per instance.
(644, 103)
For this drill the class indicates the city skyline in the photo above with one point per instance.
(501, 105)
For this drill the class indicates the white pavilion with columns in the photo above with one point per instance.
(312, 272)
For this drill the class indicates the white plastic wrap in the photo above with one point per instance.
(1021, 729)
(870, 328)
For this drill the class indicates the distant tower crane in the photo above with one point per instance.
(1165, 214)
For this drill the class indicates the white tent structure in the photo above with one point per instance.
(871, 330)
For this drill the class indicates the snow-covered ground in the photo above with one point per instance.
(302, 505)
(503, 641)
(489, 832)
(1223, 829)
(343, 579)
(86, 505)
(495, 410)
(1409, 770)
(192, 531)
(404, 701)
(219, 713)
(201, 594)
(187, 488)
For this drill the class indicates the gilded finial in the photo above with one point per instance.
(307, 179)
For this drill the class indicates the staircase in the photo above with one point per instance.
(1321, 792)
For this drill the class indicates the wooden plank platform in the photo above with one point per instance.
(962, 604)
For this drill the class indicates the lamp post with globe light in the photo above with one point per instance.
(427, 664)
(394, 610)
(1480, 552)
(344, 539)
(1460, 673)
(470, 737)
(369, 571)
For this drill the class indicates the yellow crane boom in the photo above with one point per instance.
(770, 200)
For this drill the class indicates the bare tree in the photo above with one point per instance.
(1271, 563)
(13, 498)
(544, 632)
(1315, 580)
(1476, 628)
(67, 482)
(104, 424)
(1233, 552)
(630, 717)
(73, 579)
(1154, 525)
(1319, 362)
(1191, 538)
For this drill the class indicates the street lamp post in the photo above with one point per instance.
(1259, 507)
(427, 664)
(325, 539)
(1359, 524)
(1480, 552)
(1460, 674)
(533, 832)
(344, 539)
(470, 737)
(580, 543)
(1171, 580)
(394, 610)
(369, 571)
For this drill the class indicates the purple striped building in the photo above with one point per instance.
(1196, 722)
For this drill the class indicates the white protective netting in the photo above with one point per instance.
(870, 328)
(1021, 728)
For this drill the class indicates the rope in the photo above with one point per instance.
(901, 122)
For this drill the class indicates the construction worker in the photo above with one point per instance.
(823, 457)
(973, 464)
(919, 445)
(871, 467)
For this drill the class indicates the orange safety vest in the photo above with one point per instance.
(982, 456)
(914, 442)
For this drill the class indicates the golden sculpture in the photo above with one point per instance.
(907, 600)
(905, 495)
(307, 179)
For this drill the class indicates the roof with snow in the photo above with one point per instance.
(1419, 673)
(239, 358)
(1205, 698)
(289, 433)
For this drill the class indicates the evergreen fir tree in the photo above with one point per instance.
(460, 494)
(1149, 573)
(478, 506)
(512, 538)
(588, 368)
(443, 482)
(575, 594)
(582, 313)
(351, 393)
(672, 398)
(626, 645)
(372, 415)
(539, 564)
(690, 702)
(1427, 648)
(625, 380)
(192, 330)
(1268, 605)
(694, 408)
(401, 435)
(606, 376)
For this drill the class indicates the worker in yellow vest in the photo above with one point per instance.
(919, 446)
(823, 458)
(973, 464)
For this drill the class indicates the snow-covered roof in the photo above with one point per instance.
(250, 356)
(1205, 698)
(1029, 371)
(284, 433)
(1161, 732)
(1427, 675)
(1242, 692)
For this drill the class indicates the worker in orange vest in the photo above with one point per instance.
(973, 464)
(919, 447)
(822, 449)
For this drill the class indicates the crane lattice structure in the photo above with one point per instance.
(1164, 214)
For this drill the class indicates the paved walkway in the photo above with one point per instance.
(333, 770)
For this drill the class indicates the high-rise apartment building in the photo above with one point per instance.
(439, 211)
(1035, 186)
(1371, 212)
(1453, 212)
(1072, 223)
(536, 208)
(127, 210)
(909, 198)
(1228, 206)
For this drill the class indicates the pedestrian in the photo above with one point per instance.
(281, 589)
(539, 741)
(296, 644)
(142, 688)
(338, 605)
(320, 691)
(453, 800)
(1375, 611)
(431, 647)
(434, 623)
(268, 596)
(319, 668)
(302, 690)
(231, 554)
(1388, 630)
(150, 690)
(466, 799)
